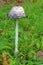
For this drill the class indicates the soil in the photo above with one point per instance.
(3, 2)
(40, 54)
(0, 62)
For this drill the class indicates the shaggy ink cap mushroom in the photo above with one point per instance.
(17, 12)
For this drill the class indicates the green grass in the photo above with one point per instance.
(30, 34)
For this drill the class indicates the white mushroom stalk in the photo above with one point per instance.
(17, 12)
(16, 37)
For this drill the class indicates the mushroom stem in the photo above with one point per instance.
(16, 37)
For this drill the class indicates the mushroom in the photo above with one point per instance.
(16, 13)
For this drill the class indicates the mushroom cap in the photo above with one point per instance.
(17, 12)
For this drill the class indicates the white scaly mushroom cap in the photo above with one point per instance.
(17, 12)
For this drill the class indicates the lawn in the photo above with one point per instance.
(30, 34)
